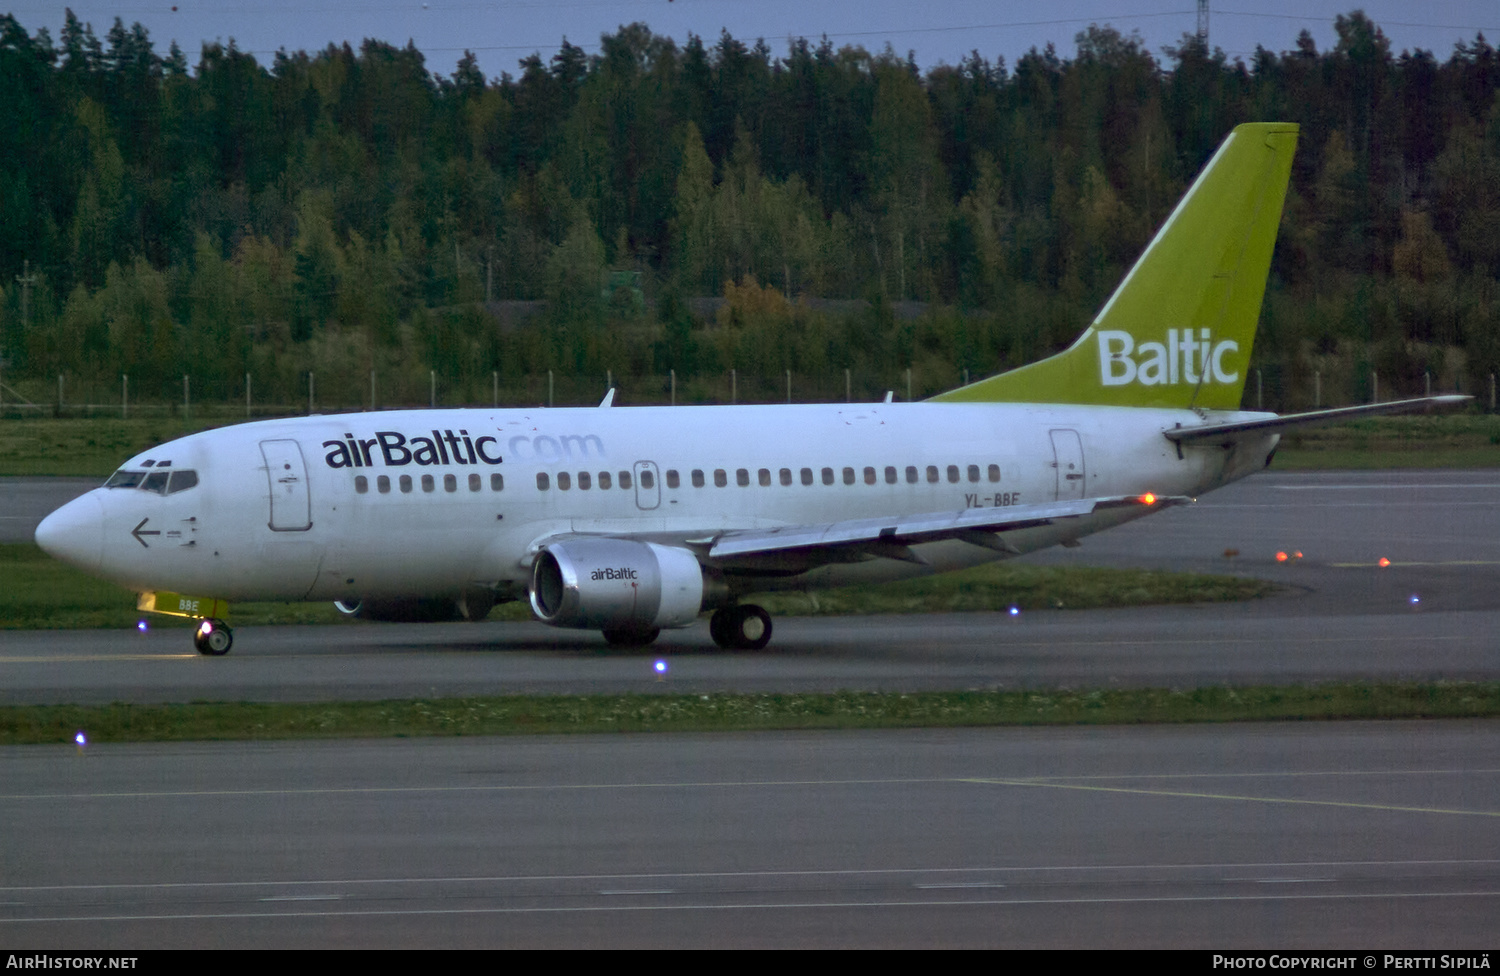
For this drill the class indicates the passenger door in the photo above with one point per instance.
(291, 505)
(1067, 458)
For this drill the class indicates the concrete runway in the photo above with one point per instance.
(1342, 617)
(1342, 835)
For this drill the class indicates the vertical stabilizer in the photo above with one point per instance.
(1179, 329)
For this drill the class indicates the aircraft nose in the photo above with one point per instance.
(75, 533)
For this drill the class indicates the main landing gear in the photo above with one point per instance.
(744, 627)
(213, 637)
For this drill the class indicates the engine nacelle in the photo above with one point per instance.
(616, 584)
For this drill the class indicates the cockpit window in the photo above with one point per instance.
(158, 482)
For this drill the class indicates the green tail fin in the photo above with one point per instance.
(1179, 329)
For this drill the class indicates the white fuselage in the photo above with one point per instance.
(431, 502)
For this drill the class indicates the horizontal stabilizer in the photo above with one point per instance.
(1231, 432)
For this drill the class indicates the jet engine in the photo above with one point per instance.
(616, 585)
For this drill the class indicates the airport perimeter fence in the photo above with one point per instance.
(1265, 389)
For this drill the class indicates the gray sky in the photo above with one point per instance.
(501, 32)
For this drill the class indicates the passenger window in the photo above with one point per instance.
(932, 474)
(697, 478)
(953, 473)
(584, 481)
(848, 476)
(807, 478)
(564, 481)
(974, 472)
(541, 481)
(450, 482)
(994, 472)
(497, 482)
(742, 478)
(869, 476)
(764, 477)
(383, 485)
(475, 482)
(673, 481)
(827, 476)
(890, 474)
(648, 480)
(183, 480)
(625, 480)
(604, 481)
(406, 484)
(427, 483)
(911, 474)
(786, 476)
(361, 484)
(720, 478)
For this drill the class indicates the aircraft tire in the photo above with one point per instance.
(752, 628)
(717, 629)
(746, 627)
(215, 643)
(628, 637)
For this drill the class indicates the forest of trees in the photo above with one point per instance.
(348, 211)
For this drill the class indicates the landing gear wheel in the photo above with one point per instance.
(630, 638)
(213, 638)
(742, 628)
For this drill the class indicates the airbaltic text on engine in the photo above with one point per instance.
(1178, 360)
(607, 573)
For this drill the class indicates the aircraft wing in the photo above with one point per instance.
(1226, 434)
(892, 537)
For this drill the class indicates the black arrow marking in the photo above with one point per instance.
(138, 533)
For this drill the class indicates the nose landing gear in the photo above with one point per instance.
(213, 638)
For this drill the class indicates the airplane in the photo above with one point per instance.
(630, 520)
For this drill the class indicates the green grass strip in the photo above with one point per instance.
(531, 715)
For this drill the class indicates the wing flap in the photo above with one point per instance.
(891, 536)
